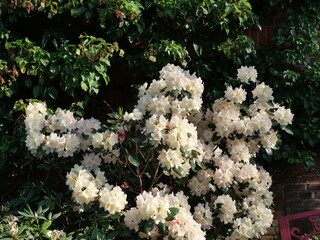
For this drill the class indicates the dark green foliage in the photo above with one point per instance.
(292, 68)
(65, 52)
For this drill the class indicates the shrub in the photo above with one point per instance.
(169, 169)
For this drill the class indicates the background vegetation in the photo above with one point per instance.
(76, 53)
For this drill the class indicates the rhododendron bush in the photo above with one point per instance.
(180, 170)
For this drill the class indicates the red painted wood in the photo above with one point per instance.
(288, 233)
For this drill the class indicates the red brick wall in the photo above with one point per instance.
(263, 37)
(296, 190)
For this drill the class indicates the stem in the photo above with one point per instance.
(154, 177)
(157, 179)
(127, 159)
(140, 179)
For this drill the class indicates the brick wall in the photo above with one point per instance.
(296, 190)
(263, 37)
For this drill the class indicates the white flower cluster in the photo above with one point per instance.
(199, 184)
(246, 181)
(253, 122)
(246, 74)
(256, 223)
(203, 215)
(167, 212)
(34, 123)
(243, 130)
(165, 106)
(90, 184)
(62, 134)
(230, 191)
(13, 225)
(283, 116)
(227, 208)
(55, 234)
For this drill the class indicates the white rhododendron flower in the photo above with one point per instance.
(246, 74)
(91, 161)
(224, 174)
(283, 116)
(203, 215)
(82, 183)
(62, 120)
(158, 206)
(199, 184)
(263, 92)
(237, 95)
(269, 140)
(243, 229)
(168, 102)
(206, 154)
(227, 206)
(112, 199)
(34, 141)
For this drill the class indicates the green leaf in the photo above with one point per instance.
(85, 136)
(201, 164)
(44, 61)
(89, 14)
(28, 82)
(194, 153)
(179, 170)
(106, 79)
(172, 93)
(54, 68)
(193, 164)
(212, 187)
(198, 49)
(36, 91)
(166, 171)
(219, 205)
(84, 86)
(25, 214)
(53, 93)
(78, 11)
(162, 228)
(287, 130)
(112, 235)
(172, 213)
(94, 234)
(269, 151)
(183, 152)
(45, 225)
(141, 138)
(20, 230)
(148, 226)
(186, 94)
(140, 28)
(134, 161)
(238, 214)
(247, 4)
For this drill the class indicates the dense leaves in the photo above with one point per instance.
(65, 52)
(296, 79)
